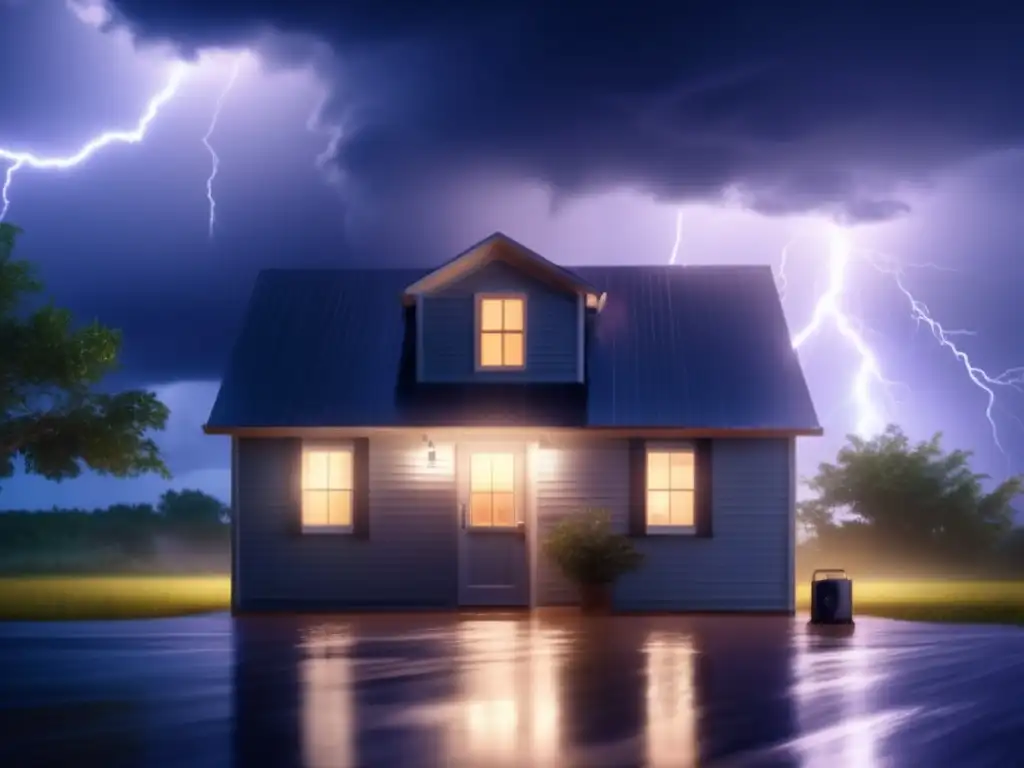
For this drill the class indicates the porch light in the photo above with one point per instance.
(431, 452)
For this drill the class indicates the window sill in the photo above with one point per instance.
(329, 530)
(495, 528)
(671, 530)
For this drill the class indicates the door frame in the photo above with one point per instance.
(525, 450)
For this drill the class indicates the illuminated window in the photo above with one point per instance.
(327, 489)
(502, 327)
(492, 498)
(670, 483)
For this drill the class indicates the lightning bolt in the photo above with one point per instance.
(1011, 377)
(214, 157)
(18, 160)
(679, 237)
(870, 416)
(870, 419)
(333, 132)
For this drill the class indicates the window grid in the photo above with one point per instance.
(327, 489)
(670, 490)
(492, 502)
(502, 339)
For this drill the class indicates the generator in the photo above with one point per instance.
(831, 597)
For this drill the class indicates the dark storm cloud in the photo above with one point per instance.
(793, 106)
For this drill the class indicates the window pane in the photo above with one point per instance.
(480, 472)
(513, 349)
(682, 471)
(490, 350)
(513, 315)
(658, 508)
(340, 471)
(503, 472)
(340, 508)
(314, 508)
(490, 314)
(480, 509)
(657, 471)
(682, 508)
(504, 509)
(314, 470)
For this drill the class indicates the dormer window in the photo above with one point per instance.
(501, 332)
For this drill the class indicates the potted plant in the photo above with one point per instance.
(592, 556)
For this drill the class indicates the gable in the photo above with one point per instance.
(501, 248)
(454, 329)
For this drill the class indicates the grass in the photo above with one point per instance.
(968, 602)
(56, 598)
(48, 598)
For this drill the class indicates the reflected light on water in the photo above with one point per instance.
(671, 705)
(326, 678)
(834, 688)
(508, 694)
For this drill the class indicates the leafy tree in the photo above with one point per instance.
(49, 414)
(192, 510)
(912, 499)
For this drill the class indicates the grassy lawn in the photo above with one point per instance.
(46, 598)
(54, 598)
(976, 602)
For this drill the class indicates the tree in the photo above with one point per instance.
(913, 499)
(192, 509)
(50, 416)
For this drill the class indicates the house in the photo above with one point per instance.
(404, 439)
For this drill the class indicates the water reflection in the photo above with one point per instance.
(836, 693)
(671, 735)
(454, 691)
(507, 694)
(325, 680)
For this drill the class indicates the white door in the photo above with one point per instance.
(493, 556)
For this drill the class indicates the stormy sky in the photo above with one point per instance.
(401, 132)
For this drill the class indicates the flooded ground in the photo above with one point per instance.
(509, 691)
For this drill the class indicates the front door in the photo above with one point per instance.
(493, 560)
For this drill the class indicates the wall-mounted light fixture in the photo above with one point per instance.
(431, 451)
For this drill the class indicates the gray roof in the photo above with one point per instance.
(675, 346)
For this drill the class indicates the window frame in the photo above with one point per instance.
(478, 331)
(313, 446)
(669, 530)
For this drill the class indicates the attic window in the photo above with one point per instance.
(501, 335)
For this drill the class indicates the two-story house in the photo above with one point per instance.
(405, 439)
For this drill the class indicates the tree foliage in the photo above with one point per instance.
(50, 414)
(915, 500)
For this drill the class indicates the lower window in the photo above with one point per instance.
(670, 491)
(492, 497)
(327, 489)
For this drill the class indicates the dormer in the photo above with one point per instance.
(500, 312)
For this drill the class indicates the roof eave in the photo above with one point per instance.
(650, 431)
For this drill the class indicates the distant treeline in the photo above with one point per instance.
(866, 552)
(186, 531)
(189, 532)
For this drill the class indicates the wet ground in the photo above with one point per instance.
(516, 691)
